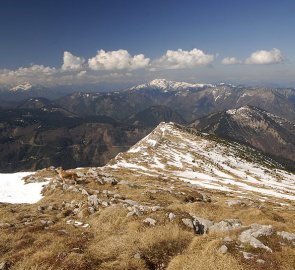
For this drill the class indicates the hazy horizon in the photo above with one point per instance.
(116, 44)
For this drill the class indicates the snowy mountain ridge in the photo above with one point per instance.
(207, 162)
(165, 85)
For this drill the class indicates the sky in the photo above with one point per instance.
(124, 42)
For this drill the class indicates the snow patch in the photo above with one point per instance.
(14, 190)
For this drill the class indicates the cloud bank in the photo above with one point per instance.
(261, 57)
(230, 61)
(181, 59)
(111, 65)
(117, 60)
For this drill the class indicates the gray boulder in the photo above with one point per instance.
(226, 225)
(202, 225)
(171, 216)
(250, 236)
(287, 236)
(93, 201)
(150, 221)
(188, 222)
(223, 249)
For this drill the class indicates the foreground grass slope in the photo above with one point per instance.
(118, 217)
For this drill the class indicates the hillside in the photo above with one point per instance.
(177, 199)
(254, 126)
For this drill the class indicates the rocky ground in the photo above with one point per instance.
(111, 220)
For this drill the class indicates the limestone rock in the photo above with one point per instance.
(150, 221)
(188, 222)
(226, 225)
(223, 249)
(287, 236)
(250, 236)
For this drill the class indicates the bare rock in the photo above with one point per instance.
(226, 225)
(233, 202)
(150, 221)
(287, 236)
(250, 236)
(4, 265)
(5, 225)
(188, 222)
(171, 216)
(131, 202)
(223, 249)
(93, 200)
(202, 225)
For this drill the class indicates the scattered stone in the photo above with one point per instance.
(40, 208)
(77, 250)
(137, 256)
(62, 232)
(92, 172)
(5, 225)
(171, 216)
(4, 265)
(91, 210)
(104, 203)
(123, 182)
(205, 198)
(155, 208)
(188, 222)
(227, 239)
(233, 202)
(250, 236)
(84, 192)
(260, 261)
(150, 221)
(223, 249)
(226, 225)
(248, 255)
(65, 186)
(93, 200)
(131, 202)
(287, 236)
(202, 225)
(111, 180)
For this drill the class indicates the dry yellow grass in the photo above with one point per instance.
(115, 241)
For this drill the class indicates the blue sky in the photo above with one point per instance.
(248, 42)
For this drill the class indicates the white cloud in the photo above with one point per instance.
(117, 60)
(72, 62)
(230, 61)
(182, 59)
(263, 57)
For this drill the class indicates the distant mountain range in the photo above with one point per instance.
(253, 126)
(260, 117)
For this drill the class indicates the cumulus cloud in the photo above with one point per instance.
(180, 59)
(72, 62)
(263, 57)
(230, 61)
(117, 60)
(22, 74)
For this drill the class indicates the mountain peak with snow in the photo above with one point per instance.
(166, 85)
(22, 87)
(206, 161)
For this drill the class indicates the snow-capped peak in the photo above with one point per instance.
(165, 85)
(178, 153)
(22, 87)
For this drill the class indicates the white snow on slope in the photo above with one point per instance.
(207, 163)
(14, 190)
